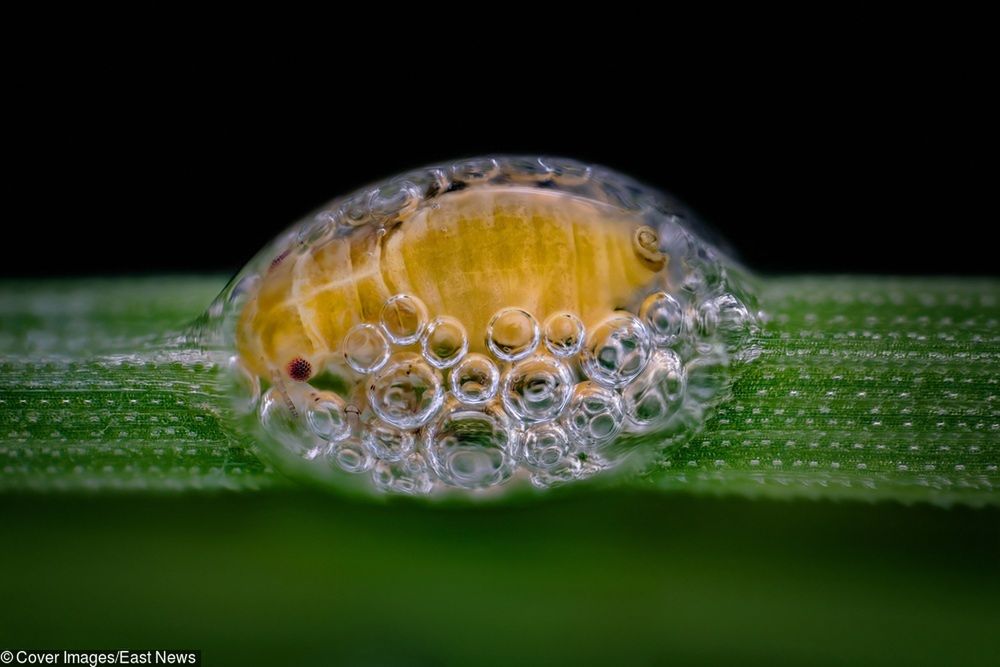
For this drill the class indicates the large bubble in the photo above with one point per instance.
(495, 323)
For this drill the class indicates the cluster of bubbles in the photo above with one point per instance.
(550, 401)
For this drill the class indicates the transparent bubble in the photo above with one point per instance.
(387, 442)
(545, 446)
(512, 334)
(351, 456)
(408, 476)
(566, 469)
(616, 351)
(525, 169)
(281, 417)
(245, 387)
(475, 169)
(394, 199)
(406, 392)
(445, 342)
(594, 416)
(664, 318)
(566, 172)
(659, 392)
(396, 330)
(536, 389)
(475, 379)
(365, 348)
(326, 415)
(472, 448)
(564, 334)
(404, 318)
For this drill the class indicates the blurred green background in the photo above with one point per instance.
(295, 577)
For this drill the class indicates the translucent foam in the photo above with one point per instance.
(472, 327)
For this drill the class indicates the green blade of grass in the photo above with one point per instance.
(866, 388)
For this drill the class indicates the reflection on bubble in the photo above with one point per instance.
(475, 380)
(471, 447)
(512, 334)
(407, 392)
(616, 351)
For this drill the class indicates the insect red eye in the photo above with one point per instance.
(299, 369)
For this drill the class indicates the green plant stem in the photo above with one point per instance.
(865, 388)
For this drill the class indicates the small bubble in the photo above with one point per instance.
(475, 380)
(512, 334)
(564, 334)
(565, 470)
(245, 385)
(281, 418)
(404, 318)
(351, 455)
(357, 210)
(365, 348)
(663, 316)
(545, 445)
(326, 416)
(725, 315)
(536, 389)
(594, 415)
(616, 351)
(525, 170)
(471, 447)
(445, 342)
(406, 392)
(656, 395)
(476, 169)
(567, 172)
(394, 199)
(387, 442)
(408, 476)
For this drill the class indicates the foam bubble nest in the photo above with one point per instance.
(472, 328)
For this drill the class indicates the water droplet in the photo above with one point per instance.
(351, 455)
(471, 448)
(475, 380)
(445, 342)
(664, 318)
(616, 350)
(512, 334)
(408, 476)
(536, 389)
(406, 392)
(365, 348)
(545, 445)
(387, 442)
(564, 334)
(326, 415)
(594, 415)
(656, 395)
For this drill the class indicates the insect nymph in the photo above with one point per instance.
(493, 319)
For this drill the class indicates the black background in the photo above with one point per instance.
(838, 171)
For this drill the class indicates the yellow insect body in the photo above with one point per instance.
(466, 254)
